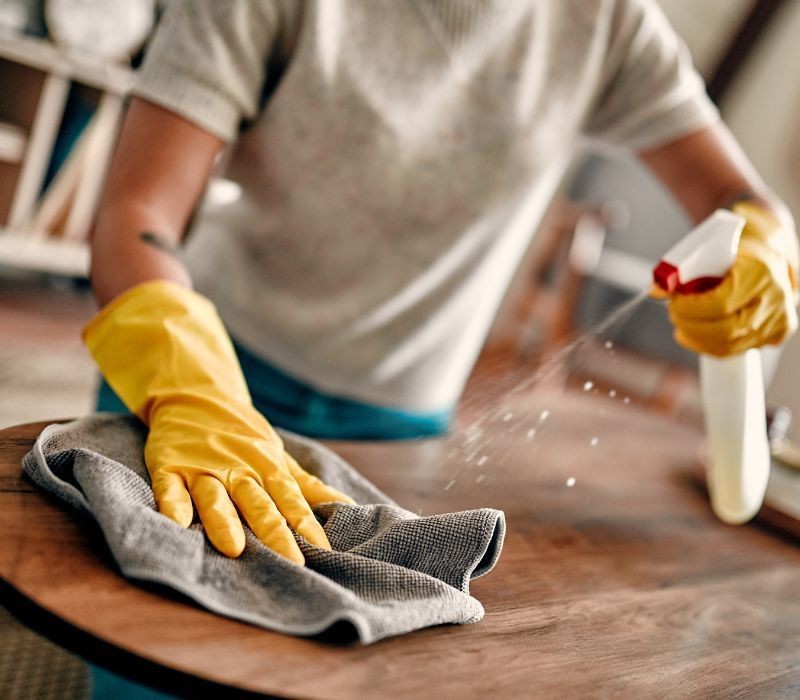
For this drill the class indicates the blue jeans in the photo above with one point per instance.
(289, 403)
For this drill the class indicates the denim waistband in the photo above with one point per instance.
(293, 405)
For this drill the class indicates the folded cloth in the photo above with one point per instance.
(389, 572)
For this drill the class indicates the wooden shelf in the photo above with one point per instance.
(46, 254)
(49, 58)
(47, 231)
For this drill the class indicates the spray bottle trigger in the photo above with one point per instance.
(699, 261)
(667, 276)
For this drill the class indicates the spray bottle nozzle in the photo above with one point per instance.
(668, 278)
(700, 260)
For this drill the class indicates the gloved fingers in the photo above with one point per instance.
(172, 498)
(265, 520)
(782, 326)
(740, 322)
(746, 282)
(719, 347)
(755, 303)
(768, 317)
(289, 499)
(220, 519)
(314, 490)
(719, 337)
(763, 321)
(765, 227)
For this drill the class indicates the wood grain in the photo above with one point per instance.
(624, 585)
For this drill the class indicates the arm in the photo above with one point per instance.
(157, 175)
(166, 353)
(707, 170)
(207, 62)
(755, 303)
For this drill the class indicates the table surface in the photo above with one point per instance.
(622, 584)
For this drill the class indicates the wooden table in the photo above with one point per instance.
(623, 584)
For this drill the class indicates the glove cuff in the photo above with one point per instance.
(159, 338)
(763, 226)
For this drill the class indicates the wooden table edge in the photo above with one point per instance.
(96, 649)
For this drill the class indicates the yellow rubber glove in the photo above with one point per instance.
(755, 304)
(164, 351)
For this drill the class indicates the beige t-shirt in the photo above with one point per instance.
(395, 158)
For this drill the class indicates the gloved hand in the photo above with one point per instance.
(165, 352)
(755, 304)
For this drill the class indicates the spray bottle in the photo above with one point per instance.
(732, 388)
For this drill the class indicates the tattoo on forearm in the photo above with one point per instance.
(161, 242)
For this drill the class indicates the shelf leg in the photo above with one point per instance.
(49, 112)
(95, 164)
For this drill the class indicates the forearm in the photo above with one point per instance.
(707, 170)
(131, 245)
(157, 176)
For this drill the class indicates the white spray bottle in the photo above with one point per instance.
(732, 387)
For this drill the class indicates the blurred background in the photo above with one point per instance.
(66, 67)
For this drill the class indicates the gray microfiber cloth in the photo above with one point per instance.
(390, 570)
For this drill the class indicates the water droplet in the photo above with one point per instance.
(531, 434)
(627, 399)
(508, 416)
(483, 460)
(588, 386)
(450, 484)
(593, 442)
(544, 415)
(571, 482)
(480, 478)
(612, 393)
(474, 433)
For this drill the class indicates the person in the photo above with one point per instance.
(392, 161)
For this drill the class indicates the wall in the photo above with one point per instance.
(763, 110)
(706, 26)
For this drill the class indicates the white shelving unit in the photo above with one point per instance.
(12, 143)
(25, 240)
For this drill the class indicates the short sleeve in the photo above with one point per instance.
(649, 92)
(208, 59)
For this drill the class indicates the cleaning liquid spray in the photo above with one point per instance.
(732, 388)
